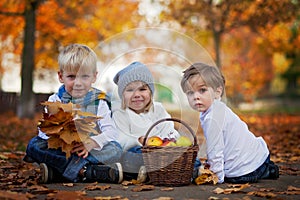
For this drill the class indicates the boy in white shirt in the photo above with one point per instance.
(234, 153)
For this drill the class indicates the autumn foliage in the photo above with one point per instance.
(65, 125)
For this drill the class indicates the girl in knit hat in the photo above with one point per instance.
(135, 114)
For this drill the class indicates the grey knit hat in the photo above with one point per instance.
(136, 71)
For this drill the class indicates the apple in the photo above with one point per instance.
(154, 141)
(184, 141)
(169, 142)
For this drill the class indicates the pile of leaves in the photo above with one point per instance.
(65, 125)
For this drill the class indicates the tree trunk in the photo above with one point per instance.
(217, 44)
(26, 104)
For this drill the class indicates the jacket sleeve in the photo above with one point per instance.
(107, 126)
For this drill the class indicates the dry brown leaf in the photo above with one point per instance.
(262, 194)
(235, 188)
(98, 187)
(12, 195)
(213, 198)
(68, 184)
(66, 125)
(143, 188)
(53, 107)
(206, 177)
(218, 190)
(167, 189)
(110, 198)
(293, 188)
(126, 183)
(61, 195)
(164, 198)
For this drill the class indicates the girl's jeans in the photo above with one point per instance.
(38, 150)
(132, 160)
(260, 173)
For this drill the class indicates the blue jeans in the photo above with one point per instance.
(260, 173)
(37, 149)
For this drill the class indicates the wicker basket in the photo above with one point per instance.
(170, 165)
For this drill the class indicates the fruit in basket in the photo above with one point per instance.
(169, 142)
(184, 141)
(154, 141)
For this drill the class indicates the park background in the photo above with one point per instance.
(255, 43)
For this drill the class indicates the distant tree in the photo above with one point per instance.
(37, 29)
(222, 16)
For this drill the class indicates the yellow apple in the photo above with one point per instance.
(154, 141)
(184, 141)
(171, 144)
(168, 143)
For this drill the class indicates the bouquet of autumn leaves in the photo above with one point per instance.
(66, 125)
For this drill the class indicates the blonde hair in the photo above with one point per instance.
(77, 56)
(211, 76)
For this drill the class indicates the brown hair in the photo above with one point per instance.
(211, 76)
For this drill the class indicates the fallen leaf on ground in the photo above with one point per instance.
(143, 188)
(167, 189)
(262, 194)
(12, 195)
(110, 198)
(68, 184)
(233, 188)
(97, 187)
(61, 195)
(206, 177)
(164, 198)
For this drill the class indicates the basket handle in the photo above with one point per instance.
(171, 119)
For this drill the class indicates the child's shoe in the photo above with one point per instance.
(50, 175)
(142, 175)
(273, 171)
(104, 173)
(46, 173)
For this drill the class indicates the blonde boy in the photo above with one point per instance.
(96, 159)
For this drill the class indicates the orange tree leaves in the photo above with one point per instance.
(65, 125)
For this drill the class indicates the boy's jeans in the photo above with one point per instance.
(38, 150)
(260, 173)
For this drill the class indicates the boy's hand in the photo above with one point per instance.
(83, 149)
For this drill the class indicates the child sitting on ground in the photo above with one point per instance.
(92, 160)
(135, 114)
(234, 154)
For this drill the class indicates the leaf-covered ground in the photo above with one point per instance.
(18, 180)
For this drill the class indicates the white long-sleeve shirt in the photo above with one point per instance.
(132, 126)
(106, 124)
(232, 150)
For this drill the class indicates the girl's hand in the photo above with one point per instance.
(141, 139)
(83, 149)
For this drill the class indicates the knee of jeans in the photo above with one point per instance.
(36, 144)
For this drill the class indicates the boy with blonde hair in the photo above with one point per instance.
(92, 160)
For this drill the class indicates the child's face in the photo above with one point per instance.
(200, 96)
(78, 83)
(137, 96)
